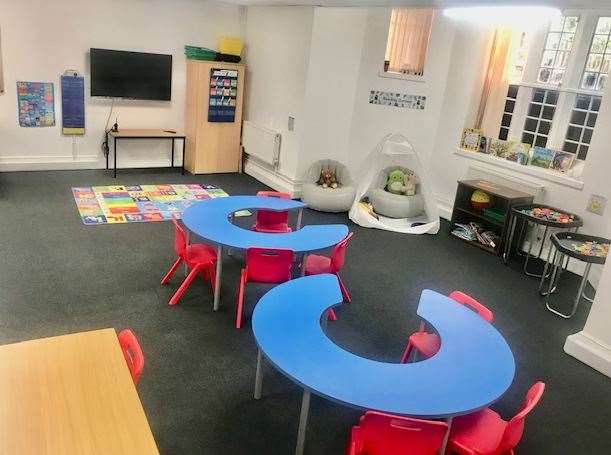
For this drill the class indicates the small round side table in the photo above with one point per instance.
(525, 214)
(583, 247)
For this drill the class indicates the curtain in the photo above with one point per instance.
(408, 38)
(494, 89)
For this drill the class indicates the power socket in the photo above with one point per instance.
(291, 123)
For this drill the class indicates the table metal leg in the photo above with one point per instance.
(172, 165)
(303, 422)
(182, 166)
(444, 444)
(259, 375)
(303, 264)
(582, 286)
(299, 216)
(115, 163)
(219, 270)
(507, 252)
(521, 238)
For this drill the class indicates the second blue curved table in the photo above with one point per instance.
(211, 220)
(472, 369)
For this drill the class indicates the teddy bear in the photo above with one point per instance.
(328, 179)
(401, 182)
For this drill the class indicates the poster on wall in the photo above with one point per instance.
(36, 104)
(223, 95)
(73, 104)
(403, 100)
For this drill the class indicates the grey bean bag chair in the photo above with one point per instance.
(328, 199)
(395, 205)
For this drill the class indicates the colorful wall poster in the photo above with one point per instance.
(397, 99)
(73, 104)
(223, 95)
(36, 104)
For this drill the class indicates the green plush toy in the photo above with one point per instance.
(395, 183)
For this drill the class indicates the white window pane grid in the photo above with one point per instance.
(581, 125)
(558, 46)
(539, 117)
(598, 63)
(510, 103)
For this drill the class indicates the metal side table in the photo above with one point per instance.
(522, 213)
(570, 245)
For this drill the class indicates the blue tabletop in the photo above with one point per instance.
(209, 219)
(472, 369)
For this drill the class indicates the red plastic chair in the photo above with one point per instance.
(427, 344)
(270, 221)
(263, 265)
(386, 434)
(316, 264)
(200, 259)
(486, 433)
(132, 353)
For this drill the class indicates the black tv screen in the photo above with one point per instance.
(136, 75)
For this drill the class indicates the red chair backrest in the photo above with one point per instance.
(338, 257)
(266, 265)
(384, 434)
(132, 353)
(469, 301)
(180, 239)
(269, 217)
(515, 427)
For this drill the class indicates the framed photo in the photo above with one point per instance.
(471, 139)
(563, 161)
(542, 157)
(499, 147)
(484, 145)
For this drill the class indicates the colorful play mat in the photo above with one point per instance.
(140, 203)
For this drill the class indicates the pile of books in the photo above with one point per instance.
(474, 232)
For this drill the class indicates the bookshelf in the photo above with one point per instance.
(502, 201)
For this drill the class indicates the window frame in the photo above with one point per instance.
(568, 89)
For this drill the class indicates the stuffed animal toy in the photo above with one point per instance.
(328, 179)
(401, 182)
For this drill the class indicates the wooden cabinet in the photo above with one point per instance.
(211, 146)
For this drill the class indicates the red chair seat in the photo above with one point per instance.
(478, 433)
(198, 253)
(427, 344)
(276, 228)
(316, 264)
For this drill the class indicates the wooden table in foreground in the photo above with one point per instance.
(70, 394)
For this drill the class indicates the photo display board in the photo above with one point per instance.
(36, 104)
(223, 95)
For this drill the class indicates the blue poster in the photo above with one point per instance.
(223, 95)
(73, 105)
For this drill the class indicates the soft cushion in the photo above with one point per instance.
(396, 205)
(328, 199)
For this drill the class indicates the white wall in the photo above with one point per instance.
(42, 39)
(277, 55)
(331, 91)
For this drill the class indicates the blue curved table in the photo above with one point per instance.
(211, 220)
(472, 369)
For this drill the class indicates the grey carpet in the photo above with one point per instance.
(59, 276)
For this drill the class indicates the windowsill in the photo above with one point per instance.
(405, 77)
(544, 174)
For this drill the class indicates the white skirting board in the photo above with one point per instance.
(48, 163)
(272, 178)
(589, 351)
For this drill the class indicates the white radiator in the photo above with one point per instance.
(261, 143)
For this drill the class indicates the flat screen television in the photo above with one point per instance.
(136, 75)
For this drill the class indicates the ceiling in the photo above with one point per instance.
(437, 3)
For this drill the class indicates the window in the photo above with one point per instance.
(581, 125)
(596, 72)
(557, 49)
(408, 38)
(556, 77)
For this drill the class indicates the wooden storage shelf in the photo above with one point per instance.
(502, 198)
